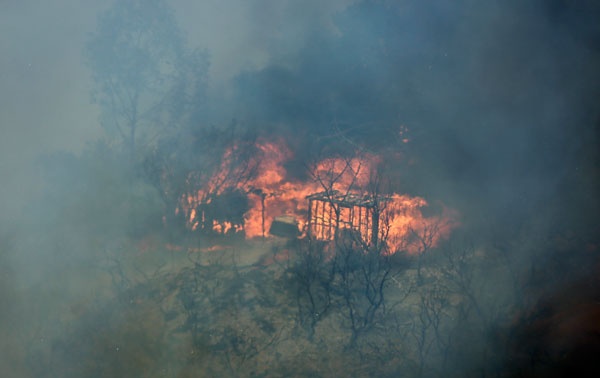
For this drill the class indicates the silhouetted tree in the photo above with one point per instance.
(313, 279)
(349, 274)
(143, 76)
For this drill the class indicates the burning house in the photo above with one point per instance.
(332, 212)
(332, 203)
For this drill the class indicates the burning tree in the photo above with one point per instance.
(221, 200)
(200, 173)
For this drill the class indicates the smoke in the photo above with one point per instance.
(498, 102)
(498, 98)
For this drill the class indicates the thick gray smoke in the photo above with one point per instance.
(489, 108)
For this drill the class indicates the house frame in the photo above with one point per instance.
(331, 212)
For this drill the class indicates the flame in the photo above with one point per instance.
(409, 230)
(271, 193)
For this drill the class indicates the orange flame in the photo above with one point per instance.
(271, 193)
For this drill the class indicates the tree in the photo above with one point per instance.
(205, 170)
(141, 70)
(349, 273)
(313, 278)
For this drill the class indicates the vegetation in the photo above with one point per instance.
(125, 267)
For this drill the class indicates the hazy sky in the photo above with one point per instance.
(44, 86)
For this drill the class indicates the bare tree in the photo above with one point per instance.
(230, 313)
(139, 63)
(313, 277)
(481, 302)
(429, 329)
(224, 186)
(421, 238)
(202, 175)
(350, 279)
(361, 279)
